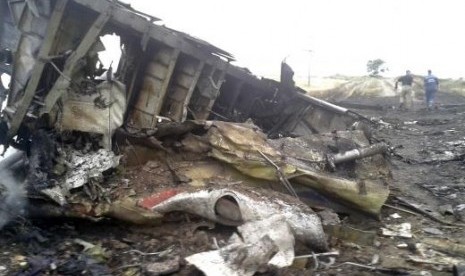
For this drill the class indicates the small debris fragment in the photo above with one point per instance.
(230, 261)
(374, 260)
(352, 245)
(433, 231)
(97, 252)
(23, 264)
(300, 263)
(437, 260)
(164, 267)
(459, 212)
(329, 217)
(403, 230)
(395, 216)
(446, 209)
(445, 246)
(266, 242)
(18, 258)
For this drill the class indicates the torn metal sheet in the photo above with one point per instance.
(267, 242)
(433, 231)
(237, 205)
(81, 169)
(278, 229)
(33, 26)
(403, 230)
(163, 267)
(86, 166)
(244, 146)
(232, 261)
(102, 112)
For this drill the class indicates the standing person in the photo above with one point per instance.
(406, 99)
(431, 87)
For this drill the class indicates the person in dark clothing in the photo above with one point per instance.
(431, 84)
(406, 97)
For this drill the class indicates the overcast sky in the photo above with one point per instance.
(342, 34)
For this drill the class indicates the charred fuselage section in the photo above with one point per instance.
(162, 74)
(73, 115)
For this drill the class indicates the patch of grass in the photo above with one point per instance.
(454, 86)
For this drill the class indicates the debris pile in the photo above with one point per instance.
(176, 132)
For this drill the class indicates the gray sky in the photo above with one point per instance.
(342, 34)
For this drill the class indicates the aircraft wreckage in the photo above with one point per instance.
(219, 142)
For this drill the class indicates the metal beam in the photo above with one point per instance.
(191, 90)
(63, 82)
(166, 82)
(44, 51)
(206, 110)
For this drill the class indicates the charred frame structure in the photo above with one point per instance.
(163, 73)
(172, 98)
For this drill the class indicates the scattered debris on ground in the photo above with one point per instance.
(176, 161)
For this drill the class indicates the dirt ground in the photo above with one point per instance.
(427, 168)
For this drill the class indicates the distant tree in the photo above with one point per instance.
(375, 66)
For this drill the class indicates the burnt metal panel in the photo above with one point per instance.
(16, 9)
(155, 83)
(63, 82)
(185, 78)
(208, 89)
(168, 73)
(172, 39)
(30, 67)
(81, 113)
(9, 34)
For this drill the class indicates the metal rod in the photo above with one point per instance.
(357, 153)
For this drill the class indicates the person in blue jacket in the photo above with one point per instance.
(431, 88)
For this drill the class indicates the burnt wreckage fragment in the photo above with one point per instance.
(65, 109)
